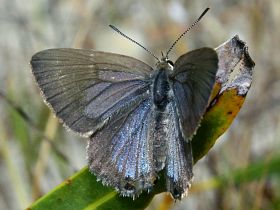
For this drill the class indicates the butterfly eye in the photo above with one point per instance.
(170, 62)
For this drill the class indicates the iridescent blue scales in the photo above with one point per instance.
(139, 120)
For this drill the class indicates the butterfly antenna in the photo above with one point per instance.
(121, 33)
(186, 31)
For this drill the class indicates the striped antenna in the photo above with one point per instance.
(121, 33)
(186, 31)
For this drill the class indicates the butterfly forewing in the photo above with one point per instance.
(192, 82)
(85, 87)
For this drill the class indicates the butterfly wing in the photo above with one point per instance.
(85, 88)
(193, 79)
(179, 162)
(104, 96)
(191, 84)
(121, 153)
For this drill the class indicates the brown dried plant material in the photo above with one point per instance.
(233, 81)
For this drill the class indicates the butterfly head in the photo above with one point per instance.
(165, 63)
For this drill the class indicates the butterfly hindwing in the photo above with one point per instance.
(193, 79)
(121, 153)
(85, 87)
(179, 160)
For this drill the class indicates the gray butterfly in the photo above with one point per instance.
(140, 120)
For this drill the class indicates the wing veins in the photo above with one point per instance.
(73, 68)
(113, 93)
(75, 93)
(73, 81)
(67, 105)
(130, 143)
(53, 66)
(114, 144)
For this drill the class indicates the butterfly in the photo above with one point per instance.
(139, 119)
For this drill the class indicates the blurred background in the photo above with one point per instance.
(31, 166)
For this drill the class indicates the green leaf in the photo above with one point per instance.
(83, 191)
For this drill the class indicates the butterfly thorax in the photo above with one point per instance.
(161, 86)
